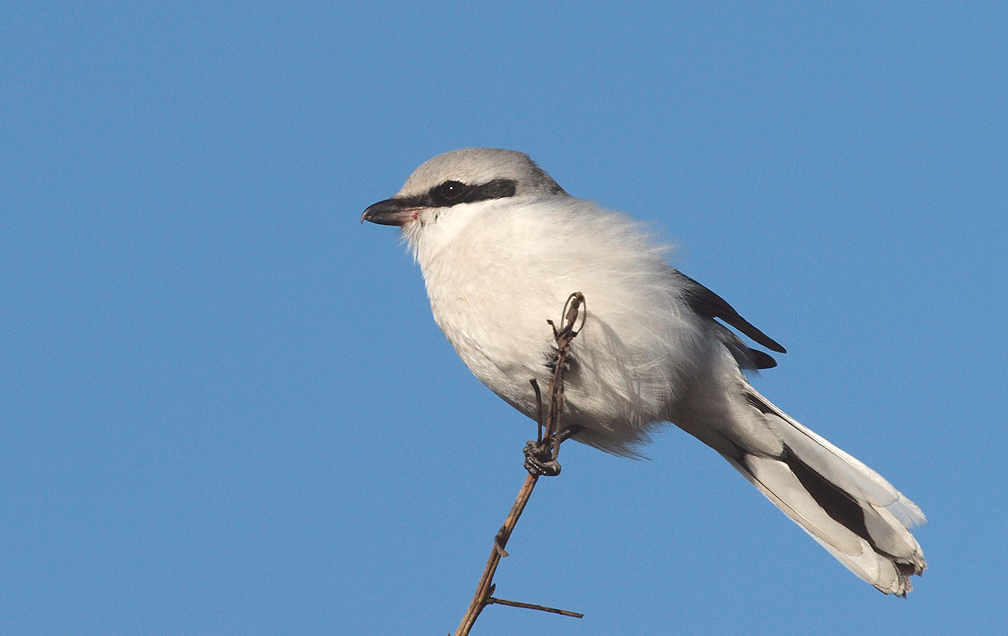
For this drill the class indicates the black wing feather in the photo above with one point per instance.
(708, 304)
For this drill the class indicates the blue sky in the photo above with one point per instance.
(225, 407)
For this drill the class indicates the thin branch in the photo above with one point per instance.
(486, 587)
(541, 608)
(541, 459)
(539, 414)
(563, 338)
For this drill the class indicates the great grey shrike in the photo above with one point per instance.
(501, 246)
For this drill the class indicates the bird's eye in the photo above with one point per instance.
(451, 190)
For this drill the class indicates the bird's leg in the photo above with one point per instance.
(541, 456)
(539, 412)
(569, 432)
(539, 459)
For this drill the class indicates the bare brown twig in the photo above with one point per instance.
(541, 459)
(541, 608)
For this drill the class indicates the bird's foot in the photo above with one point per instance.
(539, 461)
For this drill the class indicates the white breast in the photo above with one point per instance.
(496, 271)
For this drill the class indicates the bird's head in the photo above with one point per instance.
(458, 180)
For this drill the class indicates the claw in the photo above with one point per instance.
(540, 462)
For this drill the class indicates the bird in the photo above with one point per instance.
(501, 246)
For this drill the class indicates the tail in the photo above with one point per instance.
(847, 507)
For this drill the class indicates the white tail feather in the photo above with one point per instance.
(844, 505)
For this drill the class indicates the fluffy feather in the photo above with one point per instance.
(501, 260)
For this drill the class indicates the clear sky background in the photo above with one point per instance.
(225, 407)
